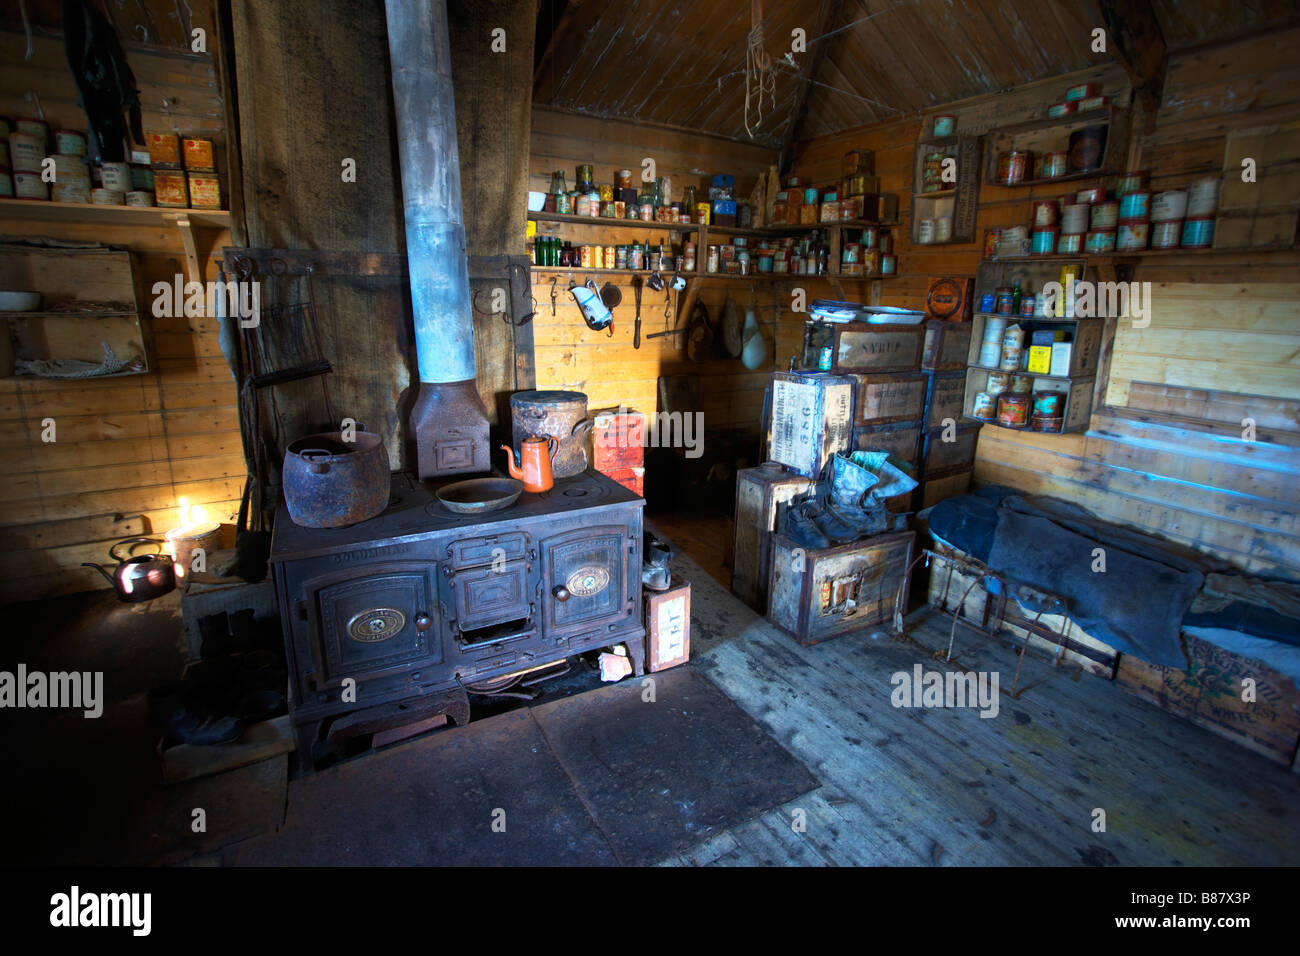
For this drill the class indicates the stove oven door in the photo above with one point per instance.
(375, 622)
(585, 581)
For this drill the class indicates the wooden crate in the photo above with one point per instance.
(887, 397)
(825, 593)
(762, 495)
(947, 345)
(902, 440)
(1083, 334)
(940, 458)
(618, 441)
(1210, 695)
(863, 347)
(931, 491)
(951, 588)
(1078, 398)
(667, 625)
(945, 396)
(812, 419)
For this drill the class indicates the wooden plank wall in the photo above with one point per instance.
(610, 370)
(128, 447)
(1223, 326)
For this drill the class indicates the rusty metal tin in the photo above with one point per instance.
(1013, 410)
(164, 149)
(205, 191)
(1013, 166)
(198, 154)
(1166, 233)
(170, 188)
(561, 415)
(332, 483)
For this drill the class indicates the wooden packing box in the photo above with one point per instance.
(950, 298)
(902, 440)
(762, 496)
(890, 397)
(941, 458)
(812, 419)
(1078, 398)
(667, 625)
(944, 398)
(863, 347)
(816, 336)
(947, 345)
(633, 479)
(828, 592)
(953, 589)
(931, 491)
(859, 162)
(618, 441)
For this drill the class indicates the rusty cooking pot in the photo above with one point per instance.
(331, 483)
(554, 414)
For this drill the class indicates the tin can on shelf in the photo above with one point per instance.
(1027, 305)
(1040, 423)
(198, 154)
(584, 175)
(925, 230)
(1080, 91)
(30, 186)
(1069, 244)
(1012, 166)
(205, 191)
(1198, 233)
(1105, 215)
(142, 178)
(991, 239)
(116, 176)
(611, 257)
(170, 188)
(1074, 218)
(69, 142)
(1169, 205)
(621, 258)
(108, 197)
(33, 127)
(75, 192)
(585, 258)
(888, 265)
(1049, 404)
(990, 354)
(1043, 242)
(1053, 164)
(944, 126)
(1063, 108)
(943, 229)
(985, 407)
(1013, 410)
(1087, 146)
(1132, 235)
(25, 152)
(997, 382)
(1091, 103)
(702, 213)
(164, 149)
(70, 170)
(1005, 299)
(623, 179)
(1203, 198)
(1045, 213)
(646, 211)
(1132, 181)
(1091, 195)
(1135, 204)
(988, 302)
(1166, 233)
(140, 197)
(1020, 384)
(1099, 240)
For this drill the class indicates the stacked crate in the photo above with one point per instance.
(618, 448)
(947, 451)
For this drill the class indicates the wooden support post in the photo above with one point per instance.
(1137, 43)
(827, 14)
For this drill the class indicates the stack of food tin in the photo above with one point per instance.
(184, 171)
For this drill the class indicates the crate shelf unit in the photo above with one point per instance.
(1084, 333)
(958, 200)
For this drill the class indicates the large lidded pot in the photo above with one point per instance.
(332, 483)
(556, 414)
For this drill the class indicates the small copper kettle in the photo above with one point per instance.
(534, 468)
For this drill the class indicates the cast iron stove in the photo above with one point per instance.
(407, 609)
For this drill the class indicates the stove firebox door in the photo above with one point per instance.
(374, 623)
(584, 580)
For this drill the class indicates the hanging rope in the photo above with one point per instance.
(760, 78)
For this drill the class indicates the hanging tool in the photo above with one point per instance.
(555, 291)
(636, 334)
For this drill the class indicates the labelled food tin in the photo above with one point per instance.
(1198, 233)
(170, 188)
(1064, 108)
(1013, 166)
(1070, 244)
(142, 178)
(6, 183)
(925, 230)
(1013, 410)
(1099, 240)
(1135, 204)
(1042, 423)
(69, 142)
(1131, 182)
(1169, 205)
(1105, 215)
(990, 354)
(1093, 194)
(944, 125)
(30, 186)
(1053, 164)
(1166, 234)
(1080, 91)
(997, 382)
(943, 229)
(1202, 198)
(71, 192)
(1132, 235)
(25, 152)
(108, 197)
(1043, 242)
(1087, 146)
(33, 127)
(1090, 103)
(70, 169)
(1074, 218)
(116, 176)
(1045, 213)
(1049, 404)
(985, 406)
(139, 197)
(991, 239)
(1020, 384)
(164, 149)
(205, 191)
(198, 154)
(888, 265)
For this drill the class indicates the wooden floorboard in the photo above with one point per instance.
(943, 786)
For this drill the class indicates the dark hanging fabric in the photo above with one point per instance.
(104, 81)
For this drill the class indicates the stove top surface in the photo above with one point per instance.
(414, 511)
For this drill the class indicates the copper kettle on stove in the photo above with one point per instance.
(534, 463)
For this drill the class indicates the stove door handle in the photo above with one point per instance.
(423, 621)
(561, 592)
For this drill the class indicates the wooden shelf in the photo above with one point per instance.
(610, 221)
(1049, 180)
(43, 211)
(67, 314)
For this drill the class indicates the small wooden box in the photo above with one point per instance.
(859, 162)
(947, 345)
(941, 458)
(862, 347)
(633, 479)
(950, 298)
(824, 593)
(812, 419)
(902, 440)
(888, 397)
(944, 398)
(762, 496)
(934, 490)
(667, 625)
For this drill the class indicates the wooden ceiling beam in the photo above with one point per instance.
(1138, 44)
(828, 14)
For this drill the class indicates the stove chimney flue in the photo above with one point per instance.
(448, 421)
